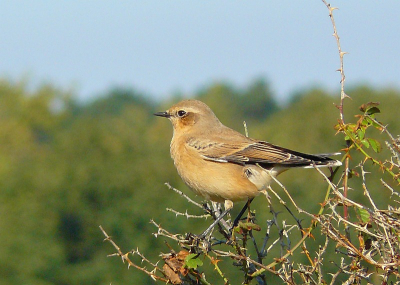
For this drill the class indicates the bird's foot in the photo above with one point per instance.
(197, 242)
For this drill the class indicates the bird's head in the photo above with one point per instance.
(190, 114)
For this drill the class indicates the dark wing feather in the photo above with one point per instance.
(267, 154)
(258, 152)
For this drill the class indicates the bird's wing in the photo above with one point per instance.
(255, 152)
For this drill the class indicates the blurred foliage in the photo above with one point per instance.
(68, 167)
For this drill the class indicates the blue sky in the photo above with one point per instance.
(163, 47)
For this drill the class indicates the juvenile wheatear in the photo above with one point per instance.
(223, 165)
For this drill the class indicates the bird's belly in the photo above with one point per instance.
(215, 181)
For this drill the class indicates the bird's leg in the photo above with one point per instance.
(247, 205)
(331, 172)
(228, 207)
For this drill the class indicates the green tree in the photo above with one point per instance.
(257, 101)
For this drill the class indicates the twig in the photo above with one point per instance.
(188, 215)
(390, 188)
(287, 193)
(184, 196)
(343, 95)
(125, 257)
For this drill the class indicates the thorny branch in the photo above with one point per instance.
(125, 257)
(343, 96)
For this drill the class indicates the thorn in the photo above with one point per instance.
(346, 96)
(113, 254)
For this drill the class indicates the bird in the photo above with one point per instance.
(223, 165)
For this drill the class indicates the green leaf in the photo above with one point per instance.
(373, 110)
(361, 134)
(376, 146)
(350, 136)
(364, 215)
(369, 120)
(365, 142)
(192, 261)
(366, 122)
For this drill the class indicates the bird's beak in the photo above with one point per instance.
(162, 114)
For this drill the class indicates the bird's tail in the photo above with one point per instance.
(324, 160)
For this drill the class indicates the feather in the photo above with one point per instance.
(259, 152)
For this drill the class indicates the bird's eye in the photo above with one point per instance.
(181, 113)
